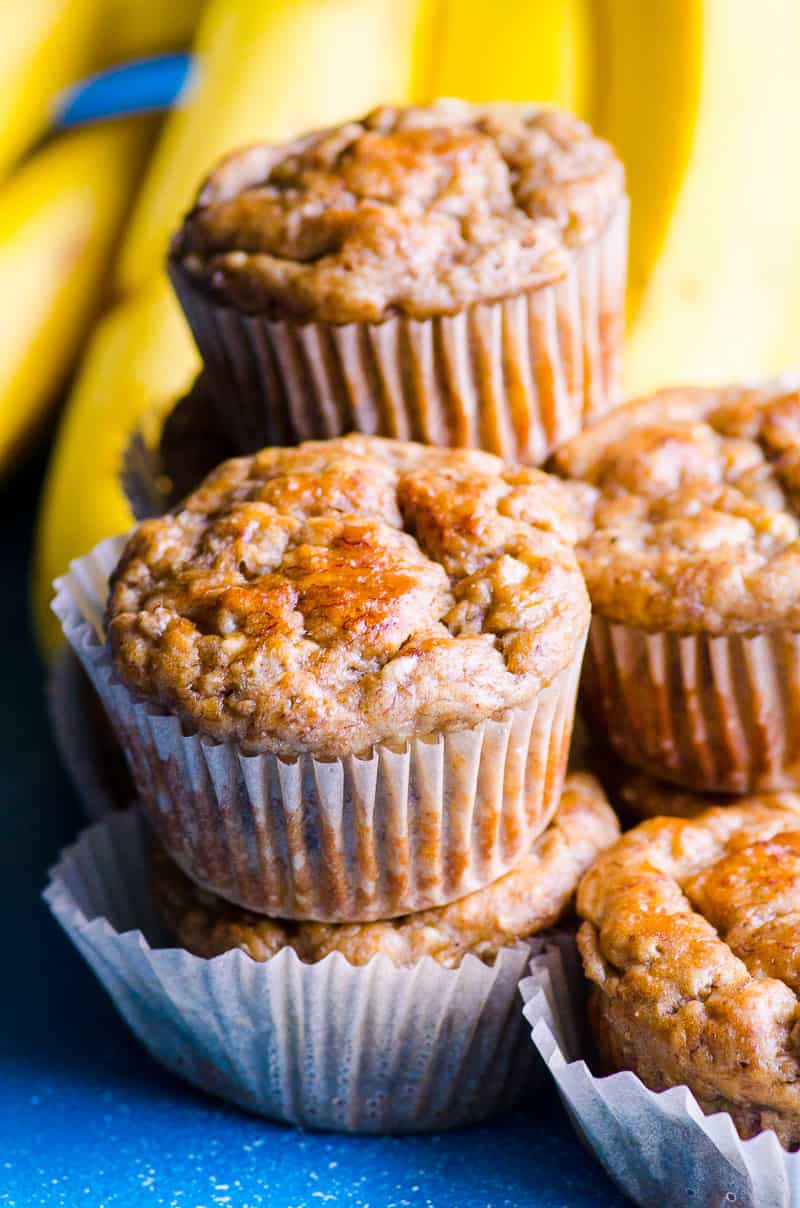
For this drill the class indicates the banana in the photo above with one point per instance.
(60, 215)
(134, 28)
(139, 360)
(514, 51)
(45, 45)
(719, 296)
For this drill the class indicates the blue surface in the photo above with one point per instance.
(86, 1118)
(137, 87)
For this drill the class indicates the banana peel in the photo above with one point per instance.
(60, 217)
(139, 360)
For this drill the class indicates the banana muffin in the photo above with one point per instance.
(690, 944)
(453, 273)
(692, 560)
(344, 674)
(527, 900)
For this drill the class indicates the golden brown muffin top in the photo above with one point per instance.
(692, 938)
(421, 211)
(323, 598)
(693, 509)
(523, 902)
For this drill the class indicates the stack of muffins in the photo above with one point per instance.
(344, 673)
(691, 553)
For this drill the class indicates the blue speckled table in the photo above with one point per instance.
(86, 1118)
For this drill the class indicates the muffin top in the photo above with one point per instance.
(691, 941)
(420, 211)
(692, 509)
(323, 598)
(523, 902)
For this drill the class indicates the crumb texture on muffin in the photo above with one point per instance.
(420, 210)
(323, 598)
(692, 509)
(692, 946)
(522, 903)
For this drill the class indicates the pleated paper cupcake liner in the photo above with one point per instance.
(659, 1148)
(370, 1048)
(346, 840)
(517, 377)
(715, 714)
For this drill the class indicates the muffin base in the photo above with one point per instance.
(714, 714)
(654, 1145)
(327, 1045)
(517, 377)
(346, 840)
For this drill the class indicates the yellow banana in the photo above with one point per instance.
(46, 45)
(60, 215)
(140, 359)
(132, 28)
(509, 50)
(720, 297)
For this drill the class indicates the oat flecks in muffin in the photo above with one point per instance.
(327, 597)
(420, 210)
(693, 510)
(522, 903)
(691, 942)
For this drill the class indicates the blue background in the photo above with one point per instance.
(86, 1118)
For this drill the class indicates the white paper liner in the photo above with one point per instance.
(517, 377)
(329, 1045)
(346, 840)
(659, 1148)
(715, 714)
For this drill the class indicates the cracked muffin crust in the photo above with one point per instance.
(690, 943)
(692, 509)
(324, 598)
(420, 211)
(530, 898)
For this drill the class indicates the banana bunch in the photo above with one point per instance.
(46, 45)
(63, 207)
(700, 97)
